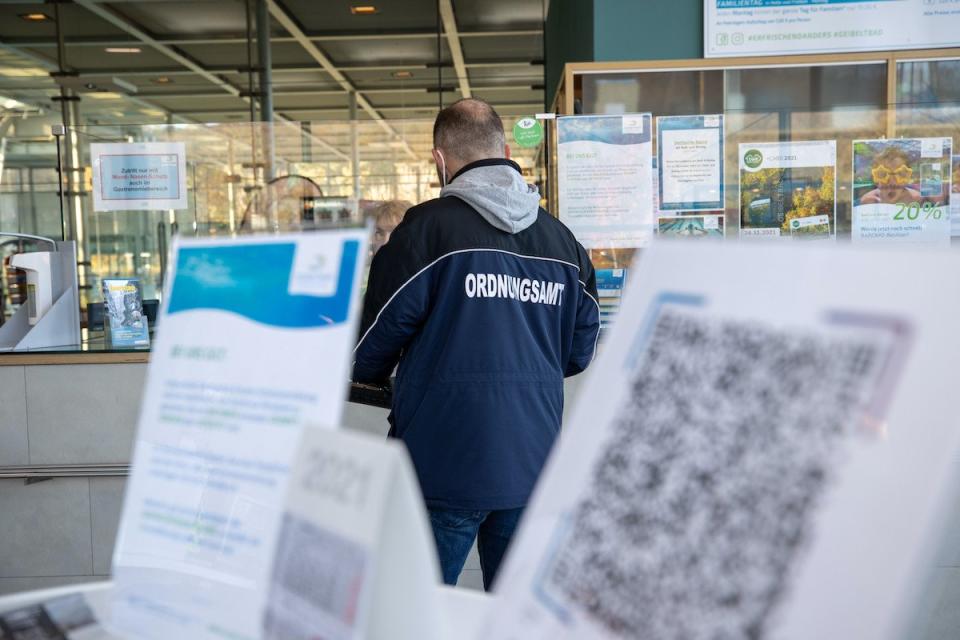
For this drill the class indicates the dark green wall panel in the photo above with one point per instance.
(598, 30)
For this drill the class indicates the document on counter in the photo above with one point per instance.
(771, 461)
(605, 179)
(256, 343)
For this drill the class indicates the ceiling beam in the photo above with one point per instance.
(287, 21)
(426, 107)
(449, 21)
(137, 32)
(299, 68)
(188, 40)
(50, 66)
(281, 93)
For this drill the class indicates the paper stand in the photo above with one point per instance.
(361, 493)
(405, 589)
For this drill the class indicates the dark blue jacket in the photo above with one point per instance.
(485, 325)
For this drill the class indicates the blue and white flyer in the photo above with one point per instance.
(690, 162)
(256, 343)
(604, 179)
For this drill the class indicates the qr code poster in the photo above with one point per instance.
(738, 456)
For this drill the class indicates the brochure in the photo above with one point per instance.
(788, 189)
(124, 322)
(605, 179)
(609, 290)
(690, 162)
(258, 334)
(901, 191)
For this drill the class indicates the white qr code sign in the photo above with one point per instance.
(738, 452)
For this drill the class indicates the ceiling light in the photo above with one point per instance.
(35, 17)
(402, 74)
(363, 10)
(11, 104)
(122, 49)
(162, 80)
(26, 72)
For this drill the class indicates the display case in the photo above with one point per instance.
(871, 98)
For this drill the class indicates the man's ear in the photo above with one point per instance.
(506, 151)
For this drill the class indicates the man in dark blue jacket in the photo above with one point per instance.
(487, 302)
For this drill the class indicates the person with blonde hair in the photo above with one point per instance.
(386, 216)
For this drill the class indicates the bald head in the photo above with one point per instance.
(469, 130)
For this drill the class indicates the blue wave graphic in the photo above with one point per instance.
(606, 129)
(252, 281)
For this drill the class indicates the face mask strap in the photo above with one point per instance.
(443, 169)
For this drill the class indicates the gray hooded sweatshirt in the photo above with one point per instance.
(499, 194)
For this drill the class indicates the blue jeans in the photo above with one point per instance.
(455, 530)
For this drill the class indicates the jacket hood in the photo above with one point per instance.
(497, 190)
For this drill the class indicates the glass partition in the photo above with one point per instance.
(29, 204)
(238, 178)
(258, 177)
(29, 195)
(838, 148)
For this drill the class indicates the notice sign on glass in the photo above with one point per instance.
(142, 176)
(604, 179)
(690, 162)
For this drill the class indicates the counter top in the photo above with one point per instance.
(92, 350)
(21, 358)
